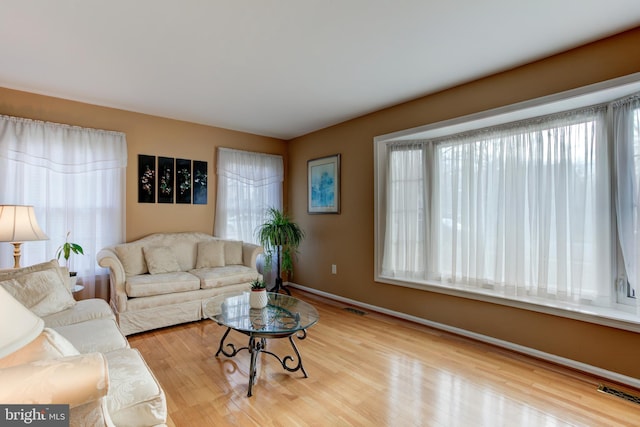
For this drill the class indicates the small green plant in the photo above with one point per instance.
(67, 248)
(257, 285)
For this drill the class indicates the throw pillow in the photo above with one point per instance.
(232, 252)
(160, 259)
(186, 254)
(49, 265)
(132, 258)
(42, 292)
(210, 254)
(63, 272)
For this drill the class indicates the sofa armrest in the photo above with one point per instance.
(107, 258)
(72, 380)
(250, 254)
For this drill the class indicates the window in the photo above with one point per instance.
(521, 211)
(75, 179)
(248, 184)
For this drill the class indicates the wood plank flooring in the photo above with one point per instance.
(371, 370)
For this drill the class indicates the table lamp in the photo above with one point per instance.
(18, 224)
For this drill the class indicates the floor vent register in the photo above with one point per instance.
(355, 311)
(618, 393)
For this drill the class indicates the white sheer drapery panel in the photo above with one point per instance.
(74, 177)
(526, 210)
(248, 184)
(405, 246)
(626, 130)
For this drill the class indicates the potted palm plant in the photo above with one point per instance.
(280, 236)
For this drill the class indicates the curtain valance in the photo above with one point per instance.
(250, 168)
(61, 148)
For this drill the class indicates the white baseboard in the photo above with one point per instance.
(579, 366)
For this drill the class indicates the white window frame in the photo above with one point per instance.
(622, 316)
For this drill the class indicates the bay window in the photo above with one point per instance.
(541, 210)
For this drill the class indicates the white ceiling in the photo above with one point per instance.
(281, 68)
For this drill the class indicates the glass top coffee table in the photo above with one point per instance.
(283, 317)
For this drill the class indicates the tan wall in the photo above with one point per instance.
(153, 136)
(348, 239)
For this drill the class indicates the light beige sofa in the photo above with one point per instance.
(74, 354)
(161, 279)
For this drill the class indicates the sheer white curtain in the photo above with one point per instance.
(248, 184)
(406, 226)
(529, 208)
(521, 209)
(626, 130)
(75, 179)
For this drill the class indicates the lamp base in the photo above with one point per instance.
(16, 254)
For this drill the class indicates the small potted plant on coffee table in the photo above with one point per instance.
(258, 297)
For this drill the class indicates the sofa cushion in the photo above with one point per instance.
(160, 259)
(146, 285)
(100, 335)
(135, 397)
(223, 276)
(232, 252)
(210, 254)
(48, 345)
(132, 258)
(43, 292)
(88, 309)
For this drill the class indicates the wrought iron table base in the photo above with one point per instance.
(257, 345)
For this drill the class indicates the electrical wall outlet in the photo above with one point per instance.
(334, 269)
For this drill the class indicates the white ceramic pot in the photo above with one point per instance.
(258, 299)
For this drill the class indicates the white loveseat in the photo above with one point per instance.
(161, 279)
(54, 350)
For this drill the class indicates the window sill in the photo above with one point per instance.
(623, 317)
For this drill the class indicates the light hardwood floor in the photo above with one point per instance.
(371, 370)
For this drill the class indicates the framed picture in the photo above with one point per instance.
(165, 179)
(323, 180)
(199, 182)
(146, 179)
(183, 181)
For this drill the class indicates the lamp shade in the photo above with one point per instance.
(19, 325)
(19, 224)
